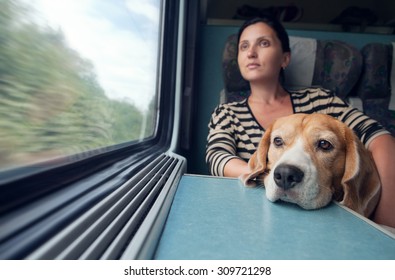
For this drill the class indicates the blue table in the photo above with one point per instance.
(218, 218)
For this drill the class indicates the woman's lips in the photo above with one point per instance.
(252, 66)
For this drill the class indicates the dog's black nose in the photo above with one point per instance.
(287, 176)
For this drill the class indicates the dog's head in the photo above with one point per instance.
(310, 160)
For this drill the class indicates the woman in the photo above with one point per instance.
(236, 128)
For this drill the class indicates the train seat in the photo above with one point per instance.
(376, 86)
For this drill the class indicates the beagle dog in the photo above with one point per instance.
(312, 159)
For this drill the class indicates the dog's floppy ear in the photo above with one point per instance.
(258, 160)
(360, 182)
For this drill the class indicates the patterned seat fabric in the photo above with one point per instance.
(374, 85)
(338, 67)
(335, 66)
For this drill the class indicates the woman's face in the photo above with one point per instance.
(260, 56)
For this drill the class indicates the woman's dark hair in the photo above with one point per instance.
(273, 23)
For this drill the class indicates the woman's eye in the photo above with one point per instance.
(243, 46)
(278, 141)
(324, 145)
(264, 43)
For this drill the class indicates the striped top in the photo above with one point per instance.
(235, 133)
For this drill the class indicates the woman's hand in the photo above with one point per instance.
(236, 167)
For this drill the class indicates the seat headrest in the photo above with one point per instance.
(376, 86)
(375, 77)
(338, 66)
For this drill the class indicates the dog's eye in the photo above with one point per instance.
(324, 145)
(278, 141)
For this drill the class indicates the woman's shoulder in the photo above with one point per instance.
(236, 107)
(311, 92)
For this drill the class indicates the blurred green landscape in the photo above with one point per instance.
(51, 103)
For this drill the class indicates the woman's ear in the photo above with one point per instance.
(258, 161)
(286, 60)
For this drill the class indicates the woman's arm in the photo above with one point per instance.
(236, 167)
(221, 146)
(383, 152)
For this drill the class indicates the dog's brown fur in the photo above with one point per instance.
(346, 173)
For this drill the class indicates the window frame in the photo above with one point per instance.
(26, 184)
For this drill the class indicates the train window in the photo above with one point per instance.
(89, 111)
(76, 76)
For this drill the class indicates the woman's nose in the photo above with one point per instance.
(251, 53)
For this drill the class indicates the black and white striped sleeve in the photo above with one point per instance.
(221, 146)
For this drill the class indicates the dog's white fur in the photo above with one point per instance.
(344, 172)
